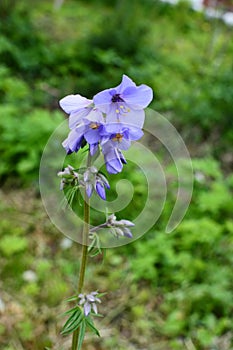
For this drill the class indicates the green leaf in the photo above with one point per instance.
(73, 322)
(71, 319)
(99, 295)
(90, 324)
(94, 249)
(95, 252)
(71, 194)
(92, 245)
(81, 334)
(69, 197)
(74, 297)
(70, 311)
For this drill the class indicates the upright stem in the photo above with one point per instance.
(86, 217)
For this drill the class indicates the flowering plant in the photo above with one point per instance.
(106, 124)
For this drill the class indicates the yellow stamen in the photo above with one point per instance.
(117, 111)
(94, 126)
(118, 137)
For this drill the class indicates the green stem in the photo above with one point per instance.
(86, 217)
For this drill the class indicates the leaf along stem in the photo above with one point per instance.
(86, 217)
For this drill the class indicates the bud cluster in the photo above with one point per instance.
(88, 178)
(88, 302)
(94, 180)
(119, 227)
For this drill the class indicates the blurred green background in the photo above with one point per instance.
(164, 291)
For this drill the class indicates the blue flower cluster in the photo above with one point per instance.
(111, 121)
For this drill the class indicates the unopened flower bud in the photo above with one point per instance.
(120, 227)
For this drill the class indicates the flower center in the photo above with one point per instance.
(94, 126)
(118, 137)
(117, 98)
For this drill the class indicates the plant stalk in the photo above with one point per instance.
(85, 235)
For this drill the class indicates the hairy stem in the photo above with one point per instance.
(97, 228)
(86, 217)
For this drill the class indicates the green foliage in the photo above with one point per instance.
(26, 330)
(11, 245)
(192, 266)
(21, 159)
(55, 288)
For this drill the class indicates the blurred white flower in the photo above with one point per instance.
(66, 243)
(2, 306)
(29, 276)
(200, 177)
